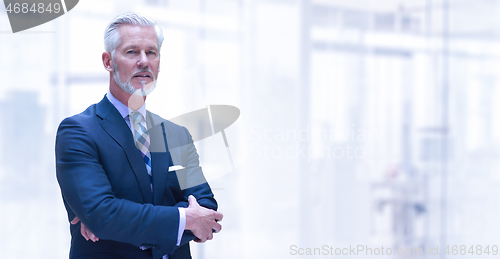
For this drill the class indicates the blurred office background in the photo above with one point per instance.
(367, 122)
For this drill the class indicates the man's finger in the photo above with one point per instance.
(75, 220)
(192, 201)
(217, 227)
(83, 231)
(218, 216)
(91, 235)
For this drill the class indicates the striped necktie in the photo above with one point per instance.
(141, 138)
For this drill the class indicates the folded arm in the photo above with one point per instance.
(87, 192)
(89, 197)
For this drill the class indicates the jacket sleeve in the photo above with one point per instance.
(193, 172)
(86, 190)
(193, 177)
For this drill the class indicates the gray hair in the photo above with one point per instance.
(112, 37)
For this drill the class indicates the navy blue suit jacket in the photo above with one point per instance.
(104, 182)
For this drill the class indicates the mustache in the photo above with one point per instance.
(146, 69)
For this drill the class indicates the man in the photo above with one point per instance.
(131, 181)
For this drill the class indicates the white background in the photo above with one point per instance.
(362, 122)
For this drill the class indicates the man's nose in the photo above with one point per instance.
(143, 60)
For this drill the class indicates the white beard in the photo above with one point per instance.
(129, 88)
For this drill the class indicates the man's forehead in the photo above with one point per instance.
(130, 33)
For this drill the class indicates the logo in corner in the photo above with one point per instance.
(26, 14)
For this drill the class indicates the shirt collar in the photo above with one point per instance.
(123, 109)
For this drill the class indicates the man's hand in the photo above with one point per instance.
(201, 221)
(84, 231)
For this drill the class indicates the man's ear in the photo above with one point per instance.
(107, 62)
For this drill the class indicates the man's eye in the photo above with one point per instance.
(130, 51)
(152, 52)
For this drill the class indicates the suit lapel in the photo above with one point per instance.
(160, 157)
(160, 174)
(117, 128)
